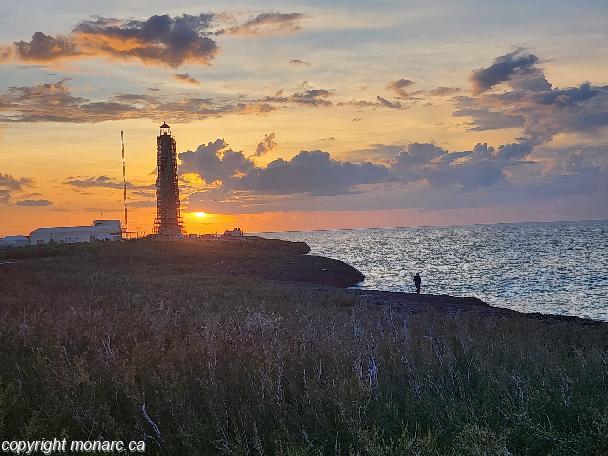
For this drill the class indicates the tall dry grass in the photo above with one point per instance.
(235, 366)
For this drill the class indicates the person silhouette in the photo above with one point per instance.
(417, 282)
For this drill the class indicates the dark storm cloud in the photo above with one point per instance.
(514, 151)
(186, 78)
(419, 175)
(526, 169)
(215, 161)
(159, 40)
(312, 172)
(483, 166)
(414, 156)
(478, 168)
(238, 180)
(34, 203)
(266, 145)
(532, 103)
(519, 67)
(43, 48)
(163, 40)
(542, 114)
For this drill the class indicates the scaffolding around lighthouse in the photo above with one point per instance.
(168, 222)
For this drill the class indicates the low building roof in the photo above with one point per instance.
(13, 238)
(73, 229)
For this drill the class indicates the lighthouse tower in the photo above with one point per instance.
(168, 222)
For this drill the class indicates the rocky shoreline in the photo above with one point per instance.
(326, 271)
(411, 303)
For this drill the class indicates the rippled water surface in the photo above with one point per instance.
(559, 268)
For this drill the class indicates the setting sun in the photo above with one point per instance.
(199, 214)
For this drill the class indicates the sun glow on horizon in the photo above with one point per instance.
(199, 214)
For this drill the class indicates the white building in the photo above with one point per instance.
(101, 230)
(237, 232)
(13, 241)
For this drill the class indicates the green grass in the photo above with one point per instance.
(239, 366)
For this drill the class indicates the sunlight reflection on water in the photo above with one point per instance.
(558, 268)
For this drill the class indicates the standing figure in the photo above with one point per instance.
(417, 282)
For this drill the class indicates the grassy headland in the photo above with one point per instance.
(230, 355)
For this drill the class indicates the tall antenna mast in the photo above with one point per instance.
(124, 177)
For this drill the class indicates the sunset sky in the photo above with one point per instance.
(305, 115)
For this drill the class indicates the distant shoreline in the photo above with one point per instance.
(544, 222)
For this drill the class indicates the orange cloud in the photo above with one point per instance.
(159, 40)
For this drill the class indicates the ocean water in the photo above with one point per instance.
(552, 268)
